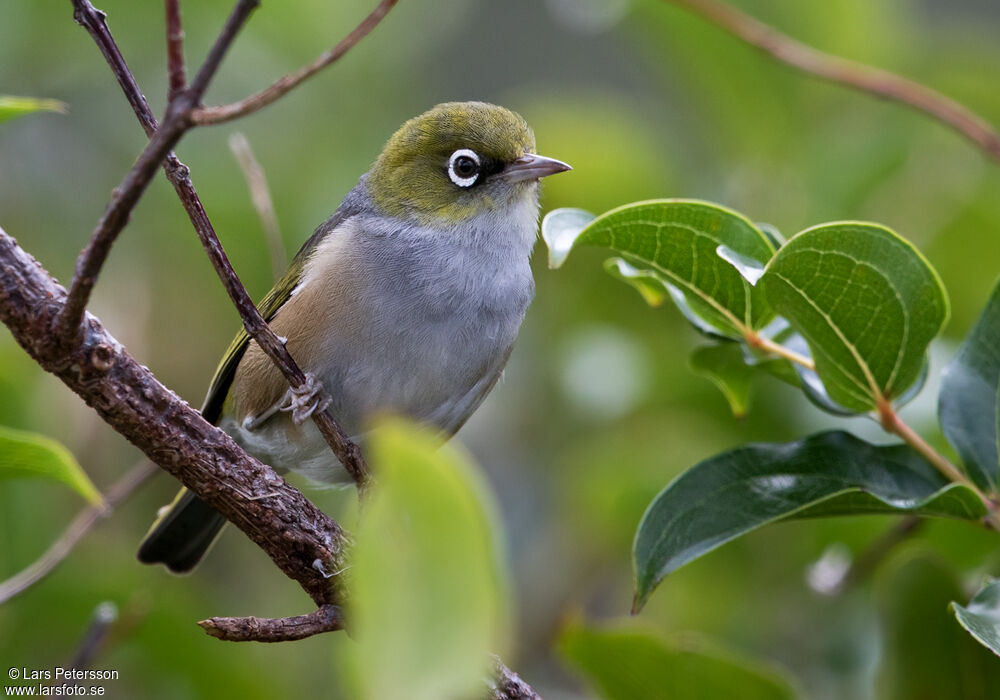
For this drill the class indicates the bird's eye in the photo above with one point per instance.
(463, 167)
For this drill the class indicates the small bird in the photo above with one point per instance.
(407, 300)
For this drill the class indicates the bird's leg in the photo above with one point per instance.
(306, 399)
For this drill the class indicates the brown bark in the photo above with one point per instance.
(275, 515)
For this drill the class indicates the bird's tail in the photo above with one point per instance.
(182, 534)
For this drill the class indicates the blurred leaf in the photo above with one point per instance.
(428, 601)
(723, 365)
(560, 229)
(772, 233)
(926, 656)
(867, 302)
(982, 615)
(650, 287)
(12, 107)
(677, 240)
(33, 456)
(632, 664)
(967, 405)
(826, 474)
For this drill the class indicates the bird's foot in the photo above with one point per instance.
(306, 399)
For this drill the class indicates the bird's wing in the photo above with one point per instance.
(211, 409)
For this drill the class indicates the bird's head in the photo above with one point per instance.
(457, 161)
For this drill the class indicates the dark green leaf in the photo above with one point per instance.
(632, 664)
(677, 240)
(827, 474)
(968, 406)
(12, 107)
(427, 604)
(981, 617)
(33, 456)
(650, 286)
(866, 301)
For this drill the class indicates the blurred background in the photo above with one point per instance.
(598, 410)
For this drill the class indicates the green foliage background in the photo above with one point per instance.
(598, 409)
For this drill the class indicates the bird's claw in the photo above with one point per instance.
(306, 399)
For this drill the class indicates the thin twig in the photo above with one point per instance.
(892, 423)
(224, 113)
(175, 49)
(260, 195)
(127, 194)
(507, 685)
(81, 525)
(348, 453)
(104, 616)
(326, 618)
(859, 76)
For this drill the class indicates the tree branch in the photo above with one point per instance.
(301, 540)
(260, 195)
(224, 113)
(178, 174)
(507, 685)
(116, 215)
(81, 525)
(858, 76)
(175, 49)
(326, 618)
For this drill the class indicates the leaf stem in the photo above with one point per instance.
(892, 423)
(756, 341)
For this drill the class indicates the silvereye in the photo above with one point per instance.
(407, 300)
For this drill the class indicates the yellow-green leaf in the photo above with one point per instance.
(34, 456)
(12, 107)
(428, 596)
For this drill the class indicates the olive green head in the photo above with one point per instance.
(456, 161)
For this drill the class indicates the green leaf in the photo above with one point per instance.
(981, 617)
(866, 301)
(428, 601)
(924, 653)
(33, 456)
(968, 405)
(827, 474)
(772, 233)
(12, 107)
(650, 286)
(723, 365)
(560, 229)
(677, 241)
(633, 664)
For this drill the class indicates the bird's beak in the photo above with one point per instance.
(532, 167)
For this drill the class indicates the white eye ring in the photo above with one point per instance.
(455, 177)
